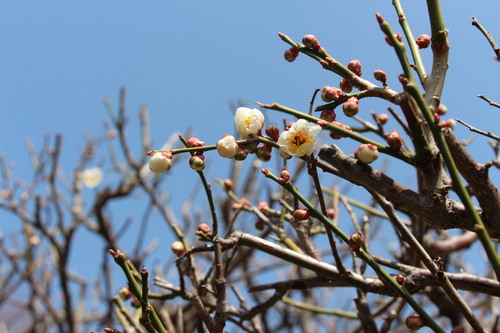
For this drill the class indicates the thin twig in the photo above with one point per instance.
(473, 129)
(488, 36)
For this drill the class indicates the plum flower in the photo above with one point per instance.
(92, 177)
(227, 146)
(248, 121)
(300, 139)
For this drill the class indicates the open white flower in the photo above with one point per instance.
(227, 146)
(92, 177)
(248, 121)
(300, 139)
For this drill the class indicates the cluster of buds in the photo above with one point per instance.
(311, 42)
(291, 54)
(380, 76)
(204, 232)
(330, 94)
(394, 140)
(338, 135)
(397, 36)
(355, 67)
(423, 41)
(351, 107)
(414, 322)
(160, 161)
(366, 153)
(356, 241)
(301, 214)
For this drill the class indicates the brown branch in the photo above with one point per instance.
(488, 100)
(473, 129)
(488, 36)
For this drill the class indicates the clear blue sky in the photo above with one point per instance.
(187, 59)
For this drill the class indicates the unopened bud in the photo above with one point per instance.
(228, 184)
(338, 135)
(400, 279)
(330, 212)
(135, 303)
(351, 107)
(195, 142)
(398, 37)
(263, 153)
(346, 86)
(242, 153)
(329, 94)
(263, 206)
(227, 146)
(380, 76)
(442, 109)
(197, 162)
(311, 41)
(458, 329)
(403, 80)
(449, 123)
(260, 225)
(366, 153)
(356, 242)
(328, 115)
(273, 132)
(414, 322)
(178, 248)
(204, 228)
(301, 214)
(125, 293)
(423, 41)
(394, 140)
(284, 176)
(382, 118)
(160, 162)
(291, 54)
(355, 67)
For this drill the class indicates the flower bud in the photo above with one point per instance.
(311, 42)
(329, 94)
(125, 293)
(356, 242)
(442, 109)
(252, 146)
(273, 132)
(458, 329)
(242, 153)
(449, 123)
(244, 203)
(178, 248)
(366, 153)
(160, 162)
(403, 80)
(291, 54)
(382, 118)
(414, 322)
(400, 279)
(260, 225)
(355, 67)
(264, 153)
(380, 76)
(345, 86)
(135, 303)
(351, 107)
(328, 115)
(284, 176)
(337, 135)
(394, 140)
(197, 162)
(398, 37)
(423, 41)
(227, 146)
(228, 184)
(301, 214)
(263, 207)
(204, 228)
(330, 213)
(195, 142)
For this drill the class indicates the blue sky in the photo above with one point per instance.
(187, 60)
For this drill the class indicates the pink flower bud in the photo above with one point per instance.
(351, 107)
(242, 153)
(403, 80)
(400, 279)
(263, 206)
(394, 140)
(380, 76)
(204, 228)
(356, 242)
(195, 142)
(125, 293)
(284, 176)
(398, 37)
(337, 135)
(160, 162)
(301, 214)
(442, 109)
(437, 118)
(273, 132)
(345, 86)
(311, 42)
(458, 329)
(291, 54)
(449, 123)
(244, 204)
(227, 146)
(414, 322)
(355, 67)
(423, 41)
(382, 118)
(330, 212)
(178, 248)
(197, 162)
(328, 115)
(329, 94)
(366, 153)
(264, 153)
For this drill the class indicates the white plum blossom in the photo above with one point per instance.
(248, 121)
(300, 139)
(366, 153)
(160, 162)
(92, 177)
(227, 146)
